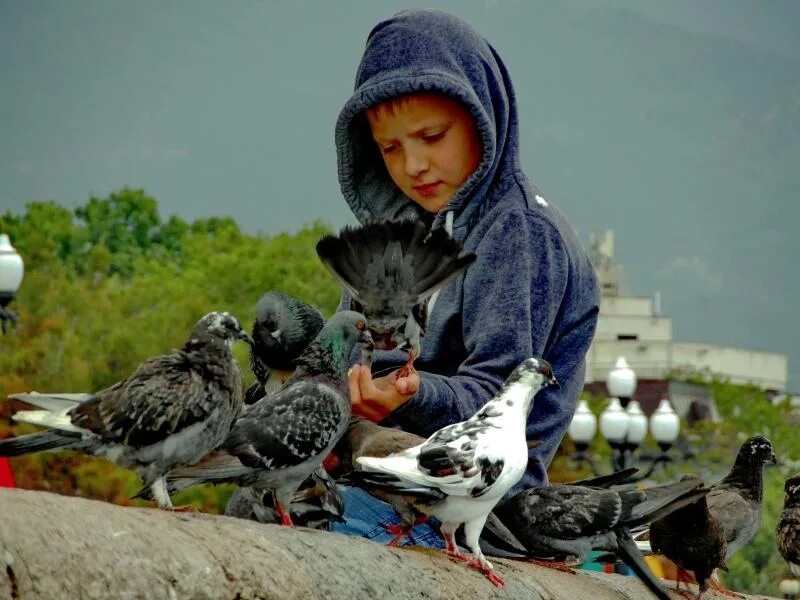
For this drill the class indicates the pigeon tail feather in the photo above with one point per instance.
(36, 442)
(662, 500)
(427, 264)
(53, 402)
(55, 420)
(629, 553)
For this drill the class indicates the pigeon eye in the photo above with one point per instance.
(360, 325)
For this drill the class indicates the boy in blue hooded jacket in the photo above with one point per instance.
(431, 132)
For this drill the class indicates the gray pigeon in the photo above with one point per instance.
(280, 440)
(736, 501)
(464, 469)
(787, 533)
(169, 413)
(284, 326)
(390, 270)
(573, 520)
(315, 505)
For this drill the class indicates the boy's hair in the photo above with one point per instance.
(392, 105)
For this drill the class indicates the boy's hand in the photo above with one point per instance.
(375, 399)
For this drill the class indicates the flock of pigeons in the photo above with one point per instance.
(184, 418)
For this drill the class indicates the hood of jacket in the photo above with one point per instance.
(427, 51)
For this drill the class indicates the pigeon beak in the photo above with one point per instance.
(246, 338)
(773, 459)
(553, 382)
(365, 337)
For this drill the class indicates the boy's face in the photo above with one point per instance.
(430, 146)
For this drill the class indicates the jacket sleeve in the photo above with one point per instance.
(512, 296)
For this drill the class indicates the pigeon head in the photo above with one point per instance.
(331, 349)
(792, 489)
(222, 325)
(349, 327)
(525, 381)
(535, 372)
(758, 450)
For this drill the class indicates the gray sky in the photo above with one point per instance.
(676, 123)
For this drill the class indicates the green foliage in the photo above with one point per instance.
(110, 284)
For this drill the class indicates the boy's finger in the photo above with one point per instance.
(353, 383)
(407, 385)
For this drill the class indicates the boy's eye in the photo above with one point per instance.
(434, 137)
(388, 149)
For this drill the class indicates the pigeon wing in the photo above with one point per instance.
(738, 517)
(562, 512)
(163, 396)
(290, 427)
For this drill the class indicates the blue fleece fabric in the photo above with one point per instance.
(532, 290)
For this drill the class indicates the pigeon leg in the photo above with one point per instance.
(408, 368)
(683, 576)
(715, 585)
(283, 514)
(399, 532)
(160, 493)
(472, 532)
(402, 529)
(558, 565)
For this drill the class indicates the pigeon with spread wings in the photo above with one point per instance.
(390, 270)
(169, 413)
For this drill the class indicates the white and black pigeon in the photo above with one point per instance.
(316, 504)
(284, 326)
(169, 413)
(276, 443)
(787, 533)
(464, 469)
(390, 270)
(365, 438)
(736, 501)
(573, 520)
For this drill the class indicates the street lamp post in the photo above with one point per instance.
(11, 271)
(624, 425)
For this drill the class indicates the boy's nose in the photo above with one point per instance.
(416, 162)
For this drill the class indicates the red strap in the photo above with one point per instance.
(6, 476)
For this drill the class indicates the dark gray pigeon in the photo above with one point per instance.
(284, 326)
(316, 504)
(169, 413)
(692, 539)
(736, 501)
(464, 469)
(390, 270)
(787, 533)
(573, 520)
(280, 440)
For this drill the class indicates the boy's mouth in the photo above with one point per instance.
(427, 189)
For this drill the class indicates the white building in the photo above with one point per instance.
(633, 327)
